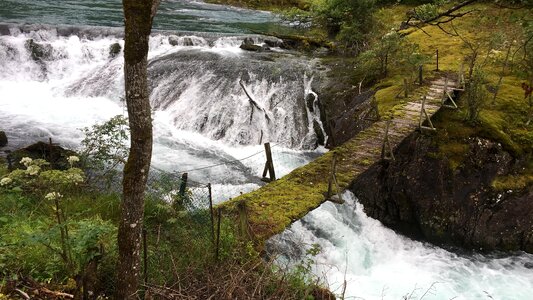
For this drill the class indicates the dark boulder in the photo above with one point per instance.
(320, 138)
(421, 195)
(187, 41)
(56, 155)
(310, 101)
(3, 139)
(272, 42)
(114, 50)
(174, 40)
(39, 51)
(248, 45)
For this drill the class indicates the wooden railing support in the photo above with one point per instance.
(386, 148)
(269, 165)
(425, 116)
(337, 198)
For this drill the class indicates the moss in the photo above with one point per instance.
(512, 182)
(455, 152)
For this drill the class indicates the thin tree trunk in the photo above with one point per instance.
(502, 74)
(138, 23)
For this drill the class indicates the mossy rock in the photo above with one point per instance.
(114, 50)
(56, 155)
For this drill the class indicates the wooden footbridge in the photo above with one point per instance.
(276, 205)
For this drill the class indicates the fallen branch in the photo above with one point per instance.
(253, 103)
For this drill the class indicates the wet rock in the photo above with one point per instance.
(54, 154)
(174, 40)
(310, 101)
(248, 45)
(272, 42)
(39, 51)
(420, 195)
(322, 51)
(3, 139)
(187, 41)
(114, 50)
(320, 138)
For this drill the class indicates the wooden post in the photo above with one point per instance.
(9, 162)
(333, 179)
(448, 97)
(49, 149)
(405, 88)
(421, 113)
(445, 90)
(437, 60)
(183, 184)
(461, 77)
(424, 113)
(386, 144)
(145, 257)
(269, 165)
(420, 75)
(219, 214)
(330, 181)
(211, 212)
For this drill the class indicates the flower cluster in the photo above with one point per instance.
(33, 170)
(26, 161)
(72, 160)
(53, 196)
(5, 181)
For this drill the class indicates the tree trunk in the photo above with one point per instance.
(138, 17)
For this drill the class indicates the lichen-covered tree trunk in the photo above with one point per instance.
(138, 15)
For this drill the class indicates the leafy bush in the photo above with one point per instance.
(475, 95)
(349, 20)
(105, 148)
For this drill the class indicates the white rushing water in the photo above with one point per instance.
(196, 123)
(377, 263)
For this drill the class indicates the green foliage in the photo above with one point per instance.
(391, 52)
(105, 147)
(426, 11)
(475, 96)
(30, 242)
(349, 20)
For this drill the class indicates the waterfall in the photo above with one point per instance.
(56, 80)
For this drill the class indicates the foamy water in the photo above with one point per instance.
(377, 263)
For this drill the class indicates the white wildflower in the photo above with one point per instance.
(73, 159)
(53, 196)
(26, 161)
(5, 181)
(33, 170)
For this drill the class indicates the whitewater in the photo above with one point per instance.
(202, 118)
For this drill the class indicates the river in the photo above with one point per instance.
(203, 118)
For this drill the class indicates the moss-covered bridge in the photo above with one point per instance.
(276, 205)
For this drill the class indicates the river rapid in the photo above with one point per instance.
(203, 118)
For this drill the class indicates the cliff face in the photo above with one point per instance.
(420, 195)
